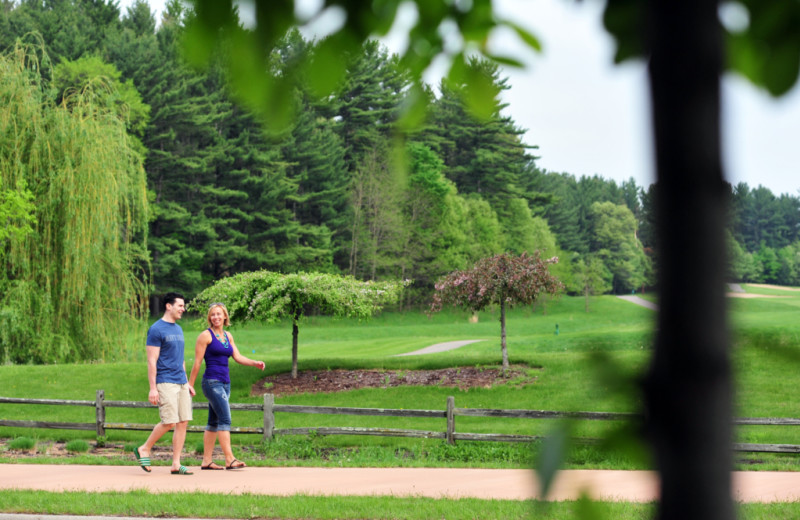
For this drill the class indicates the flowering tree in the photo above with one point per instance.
(268, 296)
(505, 280)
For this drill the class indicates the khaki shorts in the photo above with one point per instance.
(174, 403)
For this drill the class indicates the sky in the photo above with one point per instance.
(588, 116)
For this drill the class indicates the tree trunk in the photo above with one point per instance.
(586, 298)
(503, 348)
(688, 385)
(295, 332)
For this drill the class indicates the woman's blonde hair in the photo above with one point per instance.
(227, 322)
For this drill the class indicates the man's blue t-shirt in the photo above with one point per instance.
(169, 337)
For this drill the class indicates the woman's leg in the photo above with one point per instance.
(224, 432)
(225, 444)
(215, 394)
(209, 438)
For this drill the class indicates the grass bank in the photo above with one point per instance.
(205, 505)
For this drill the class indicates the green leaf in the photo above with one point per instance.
(511, 62)
(623, 19)
(551, 456)
(525, 35)
(198, 44)
(782, 67)
(743, 57)
(385, 12)
(414, 109)
(480, 94)
(327, 68)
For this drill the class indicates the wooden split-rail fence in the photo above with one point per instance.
(268, 408)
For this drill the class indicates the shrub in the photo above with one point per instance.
(22, 444)
(77, 446)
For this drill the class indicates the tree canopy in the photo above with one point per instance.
(268, 296)
(348, 187)
(504, 280)
(74, 272)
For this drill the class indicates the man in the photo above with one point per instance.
(169, 388)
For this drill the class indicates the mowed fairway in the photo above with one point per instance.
(767, 364)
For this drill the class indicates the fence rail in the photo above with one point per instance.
(268, 408)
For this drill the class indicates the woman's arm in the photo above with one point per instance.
(239, 358)
(200, 347)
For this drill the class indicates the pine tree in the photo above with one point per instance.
(564, 213)
(315, 159)
(70, 28)
(368, 103)
(486, 157)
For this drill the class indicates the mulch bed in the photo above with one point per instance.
(328, 381)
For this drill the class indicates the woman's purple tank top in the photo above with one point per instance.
(216, 357)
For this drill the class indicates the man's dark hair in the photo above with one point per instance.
(170, 297)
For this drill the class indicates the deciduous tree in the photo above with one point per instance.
(69, 288)
(591, 276)
(614, 240)
(504, 280)
(268, 297)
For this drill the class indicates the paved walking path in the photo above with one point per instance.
(639, 301)
(735, 291)
(514, 484)
(441, 347)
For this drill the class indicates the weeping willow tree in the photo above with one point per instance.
(71, 288)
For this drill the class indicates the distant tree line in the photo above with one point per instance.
(337, 191)
(764, 239)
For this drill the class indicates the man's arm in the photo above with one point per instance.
(152, 359)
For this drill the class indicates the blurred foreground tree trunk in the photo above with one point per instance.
(688, 386)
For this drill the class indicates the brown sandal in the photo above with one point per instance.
(234, 465)
(212, 465)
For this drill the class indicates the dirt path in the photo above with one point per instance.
(631, 486)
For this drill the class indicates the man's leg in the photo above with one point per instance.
(158, 431)
(178, 438)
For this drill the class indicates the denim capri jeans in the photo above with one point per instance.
(219, 410)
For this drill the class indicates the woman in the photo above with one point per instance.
(216, 346)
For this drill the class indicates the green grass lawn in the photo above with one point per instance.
(206, 505)
(591, 364)
(614, 329)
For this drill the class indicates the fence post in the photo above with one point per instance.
(100, 413)
(269, 416)
(451, 419)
